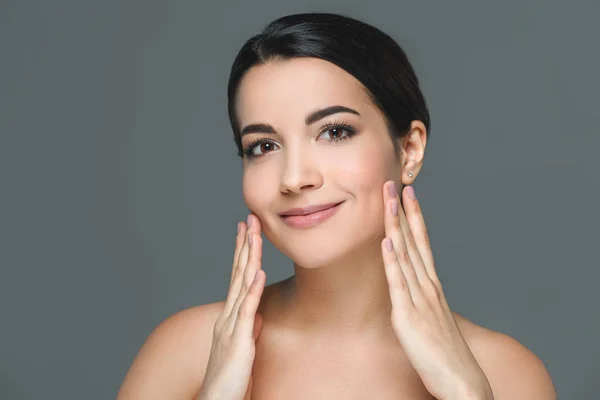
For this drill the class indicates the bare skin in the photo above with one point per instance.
(296, 365)
(290, 365)
(327, 331)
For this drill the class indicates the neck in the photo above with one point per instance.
(349, 296)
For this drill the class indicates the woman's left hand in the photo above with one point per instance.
(421, 318)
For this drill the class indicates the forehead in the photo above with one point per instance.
(288, 90)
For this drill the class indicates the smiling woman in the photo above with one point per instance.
(331, 126)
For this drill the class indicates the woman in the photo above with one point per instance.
(332, 127)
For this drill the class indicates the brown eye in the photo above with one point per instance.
(335, 133)
(266, 147)
(259, 147)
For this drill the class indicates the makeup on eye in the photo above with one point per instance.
(340, 126)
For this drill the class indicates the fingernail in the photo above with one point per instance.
(388, 244)
(255, 276)
(395, 208)
(249, 221)
(410, 191)
(392, 189)
(238, 227)
(250, 239)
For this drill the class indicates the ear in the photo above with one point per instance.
(412, 149)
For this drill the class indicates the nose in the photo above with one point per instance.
(300, 172)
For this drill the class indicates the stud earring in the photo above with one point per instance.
(410, 174)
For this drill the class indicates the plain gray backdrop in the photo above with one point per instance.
(121, 186)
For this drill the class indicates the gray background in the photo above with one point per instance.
(121, 188)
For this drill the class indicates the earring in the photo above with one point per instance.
(410, 174)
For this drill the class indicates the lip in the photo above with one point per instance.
(309, 216)
(307, 210)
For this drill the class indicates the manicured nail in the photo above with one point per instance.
(395, 208)
(392, 189)
(388, 244)
(249, 221)
(410, 191)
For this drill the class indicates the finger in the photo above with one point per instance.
(394, 232)
(239, 242)
(243, 256)
(238, 277)
(258, 323)
(253, 225)
(399, 291)
(254, 262)
(255, 247)
(419, 231)
(413, 251)
(246, 314)
(254, 259)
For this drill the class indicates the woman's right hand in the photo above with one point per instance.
(228, 372)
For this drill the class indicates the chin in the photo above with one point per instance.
(309, 251)
(315, 258)
(317, 251)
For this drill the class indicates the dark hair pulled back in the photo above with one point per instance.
(365, 52)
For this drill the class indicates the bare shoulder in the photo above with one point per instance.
(172, 360)
(514, 371)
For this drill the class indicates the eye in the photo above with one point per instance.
(259, 147)
(335, 134)
(336, 130)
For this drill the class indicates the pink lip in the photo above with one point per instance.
(307, 210)
(309, 216)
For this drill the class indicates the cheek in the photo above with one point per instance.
(363, 174)
(250, 192)
(363, 168)
(257, 187)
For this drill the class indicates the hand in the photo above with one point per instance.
(228, 372)
(421, 318)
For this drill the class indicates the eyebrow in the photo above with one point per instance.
(310, 119)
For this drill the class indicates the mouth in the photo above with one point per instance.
(309, 216)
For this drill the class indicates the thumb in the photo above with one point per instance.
(258, 323)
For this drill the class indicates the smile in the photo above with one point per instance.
(312, 219)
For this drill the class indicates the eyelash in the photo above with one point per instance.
(351, 131)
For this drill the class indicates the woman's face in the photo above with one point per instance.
(300, 164)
